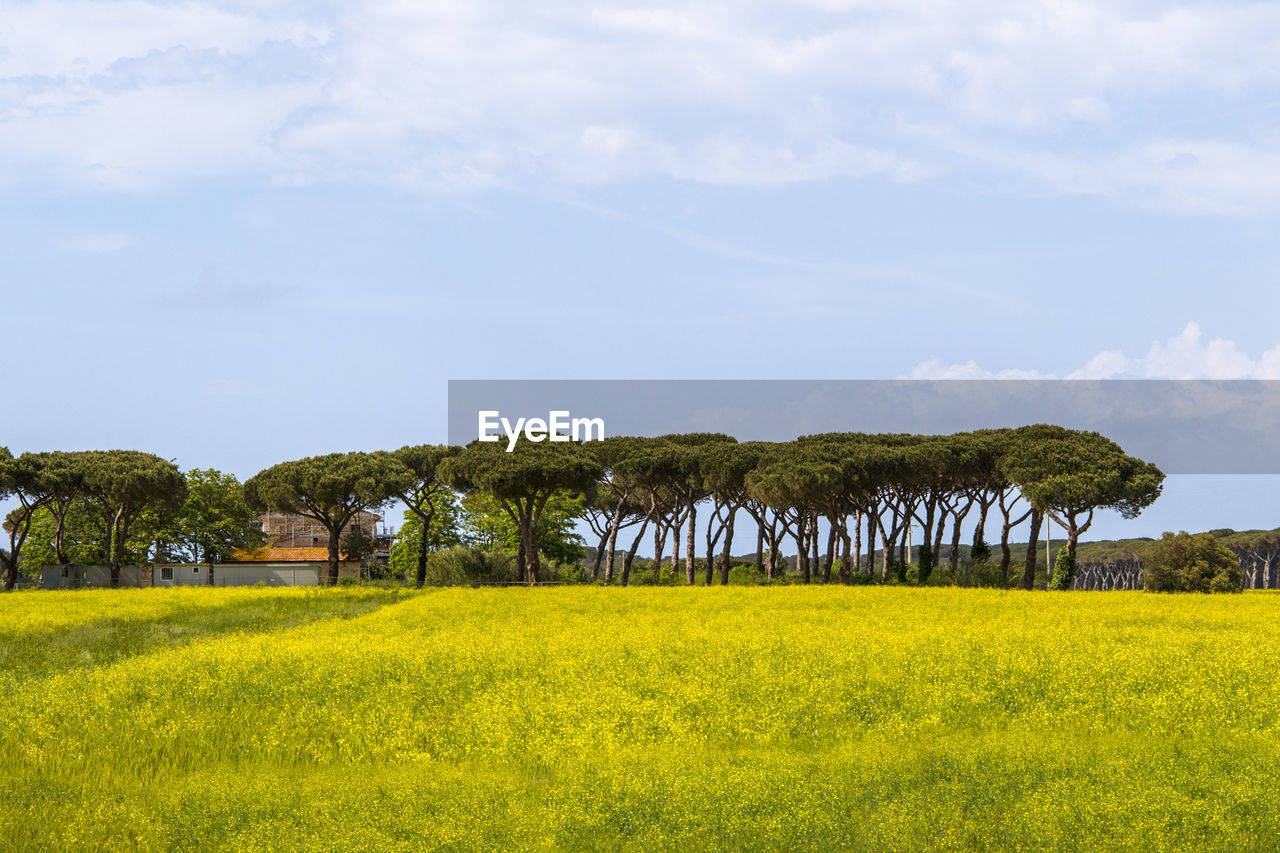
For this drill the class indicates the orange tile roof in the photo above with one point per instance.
(282, 555)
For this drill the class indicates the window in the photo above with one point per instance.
(66, 571)
(195, 570)
(166, 573)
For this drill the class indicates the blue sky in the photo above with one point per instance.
(233, 233)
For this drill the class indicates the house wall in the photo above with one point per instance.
(296, 531)
(69, 576)
(183, 574)
(197, 574)
(267, 574)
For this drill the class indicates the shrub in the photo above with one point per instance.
(1187, 563)
(941, 576)
(1064, 570)
(924, 560)
(987, 573)
(650, 575)
(743, 576)
(460, 565)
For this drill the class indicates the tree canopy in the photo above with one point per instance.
(329, 489)
(1191, 563)
(123, 484)
(522, 481)
(423, 492)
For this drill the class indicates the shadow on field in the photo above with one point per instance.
(106, 641)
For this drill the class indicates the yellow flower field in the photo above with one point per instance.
(658, 718)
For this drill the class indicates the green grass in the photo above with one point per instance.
(587, 719)
(30, 653)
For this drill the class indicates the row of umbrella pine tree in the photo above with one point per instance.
(860, 493)
(847, 501)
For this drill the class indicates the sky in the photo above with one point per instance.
(235, 233)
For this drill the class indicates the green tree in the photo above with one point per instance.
(443, 531)
(799, 485)
(76, 537)
(123, 484)
(329, 489)
(21, 479)
(1069, 474)
(522, 481)
(1191, 563)
(615, 503)
(212, 522)
(725, 467)
(64, 485)
(423, 492)
(670, 467)
(486, 525)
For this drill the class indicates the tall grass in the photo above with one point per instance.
(725, 718)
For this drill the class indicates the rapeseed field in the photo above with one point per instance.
(642, 718)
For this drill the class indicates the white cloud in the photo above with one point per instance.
(935, 369)
(1185, 356)
(1082, 96)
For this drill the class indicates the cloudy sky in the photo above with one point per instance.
(237, 232)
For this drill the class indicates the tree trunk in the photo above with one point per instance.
(844, 554)
(815, 558)
(831, 554)
(802, 548)
(530, 549)
(1033, 543)
(531, 517)
(954, 556)
(675, 550)
(595, 566)
(727, 557)
(420, 579)
(857, 542)
(1073, 536)
(59, 535)
(937, 536)
(1005, 556)
(760, 548)
(613, 544)
(333, 556)
(980, 532)
(872, 523)
(522, 553)
(773, 548)
(612, 541)
(690, 568)
(926, 529)
(631, 554)
(711, 550)
(887, 545)
(117, 548)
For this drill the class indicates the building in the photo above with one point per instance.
(296, 553)
(291, 538)
(298, 531)
(250, 573)
(74, 576)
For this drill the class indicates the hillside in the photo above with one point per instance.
(1099, 551)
